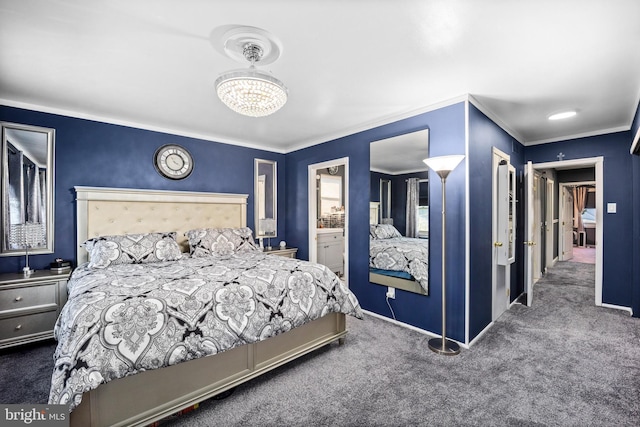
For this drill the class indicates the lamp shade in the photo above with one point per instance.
(443, 165)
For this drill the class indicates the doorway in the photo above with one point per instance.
(530, 237)
(328, 224)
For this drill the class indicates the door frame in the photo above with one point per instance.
(313, 210)
(598, 164)
(498, 272)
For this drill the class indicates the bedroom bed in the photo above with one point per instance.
(396, 261)
(151, 392)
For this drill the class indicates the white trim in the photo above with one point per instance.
(312, 204)
(377, 123)
(482, 332)
(226, 140)
(598, 164)
(408, 326)
(137, 125)
(467, 226)
(494, 117)
(619, 307)
(578, 135)
(635, 145)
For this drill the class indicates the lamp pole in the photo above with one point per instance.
(443, 166)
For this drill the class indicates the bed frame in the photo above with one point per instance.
(152, 395)
(390, 281)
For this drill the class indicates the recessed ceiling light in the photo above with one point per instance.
(563, 115)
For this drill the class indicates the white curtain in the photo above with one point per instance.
(413, 198)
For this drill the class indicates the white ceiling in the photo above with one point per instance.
(349, 65)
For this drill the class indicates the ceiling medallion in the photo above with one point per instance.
(250, 92)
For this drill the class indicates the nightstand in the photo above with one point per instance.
(29, 305)
(285, 252)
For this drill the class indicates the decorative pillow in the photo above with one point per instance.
(220, 241)
(383, 231)
(132, 249)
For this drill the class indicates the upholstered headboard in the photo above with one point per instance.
(374, 207)
(109, 211)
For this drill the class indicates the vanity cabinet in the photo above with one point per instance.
(30, 305)
(331, 249)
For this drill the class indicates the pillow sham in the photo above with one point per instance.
(220, 241)
(383, 231)
(132, 249)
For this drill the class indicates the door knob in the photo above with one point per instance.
(497, 244)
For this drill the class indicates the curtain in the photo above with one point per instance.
(579, 202)
(33, 194)
(413, 197)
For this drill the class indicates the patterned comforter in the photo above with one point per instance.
(130, 318)
(402, 254)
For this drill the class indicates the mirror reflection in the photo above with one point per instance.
(266, 198)
(399, 212)
(27, 189)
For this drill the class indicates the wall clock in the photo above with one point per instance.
(173, 161)
(333, 170)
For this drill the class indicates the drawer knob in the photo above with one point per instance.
(18, 299)
(18, 327)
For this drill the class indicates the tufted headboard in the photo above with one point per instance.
(109, 211)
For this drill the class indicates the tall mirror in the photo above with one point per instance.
(27, 189)
(399, 232)
(265, 198)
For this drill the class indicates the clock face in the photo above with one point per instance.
(173, 161)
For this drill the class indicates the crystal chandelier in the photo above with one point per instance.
(251, 92)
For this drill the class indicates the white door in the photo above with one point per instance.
(529, 231)
(501, 265)
(567, 224)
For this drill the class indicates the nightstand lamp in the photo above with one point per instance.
(27, 235)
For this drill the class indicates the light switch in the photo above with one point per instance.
(611, 208)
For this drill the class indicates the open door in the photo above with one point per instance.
(529, 241)
(567, 224)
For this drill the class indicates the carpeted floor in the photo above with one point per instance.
(561, 362)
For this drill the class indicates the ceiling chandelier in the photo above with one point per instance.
(251, 92)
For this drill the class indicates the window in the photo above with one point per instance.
(423, 209)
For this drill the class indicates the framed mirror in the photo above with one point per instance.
(400, 230)
(266, 200)
(27, 189)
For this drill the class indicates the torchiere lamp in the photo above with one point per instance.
(443, 165)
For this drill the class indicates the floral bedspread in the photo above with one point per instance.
(130, 318)
(402, 254)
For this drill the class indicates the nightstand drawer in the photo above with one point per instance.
(16, 327)
(28, 296)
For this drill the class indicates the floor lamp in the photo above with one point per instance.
(443, 165)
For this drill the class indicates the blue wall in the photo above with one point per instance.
(484, 134)
(90, 153)
(618, 243)
(446, 136)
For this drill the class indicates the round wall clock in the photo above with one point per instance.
(173, 161)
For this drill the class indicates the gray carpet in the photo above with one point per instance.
(560, 362)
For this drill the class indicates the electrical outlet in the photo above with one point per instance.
(391, 292)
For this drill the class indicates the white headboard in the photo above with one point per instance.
(374, 207)
(109, 211)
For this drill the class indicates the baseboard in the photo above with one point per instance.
(618, 307)
(482, 332)
(413, 328)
